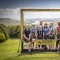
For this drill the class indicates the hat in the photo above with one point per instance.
(27, 24)
(33, 24)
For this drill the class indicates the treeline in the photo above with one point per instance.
(14, 31)
(7, 32)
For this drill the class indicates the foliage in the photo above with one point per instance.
(4, 30)
(14, 31)
(2, 37)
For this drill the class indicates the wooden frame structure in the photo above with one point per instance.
(31, 10)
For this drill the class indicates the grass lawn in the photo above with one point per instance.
(8, 51)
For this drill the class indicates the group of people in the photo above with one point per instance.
(32, 33)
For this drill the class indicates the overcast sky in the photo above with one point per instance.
(48, 15)
(10, 8)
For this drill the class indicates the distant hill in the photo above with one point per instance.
(8, 21)
(36, 21)
(44, 19)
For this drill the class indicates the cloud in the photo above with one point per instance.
(10, 13)
(15, 14)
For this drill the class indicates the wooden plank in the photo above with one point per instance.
(36, 10)
(45, 42)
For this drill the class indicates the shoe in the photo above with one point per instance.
(30, 53)
(36, 47)
(58, 50)
(45, 48)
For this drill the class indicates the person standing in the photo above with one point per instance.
(37, 27)
(40, 23)
(58, 34)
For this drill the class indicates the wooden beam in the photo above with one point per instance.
(36, 10)
(22, 24)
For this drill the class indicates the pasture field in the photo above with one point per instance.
(8, 51)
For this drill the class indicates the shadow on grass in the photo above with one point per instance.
(34, 58)
(36, 53)
(27, 56)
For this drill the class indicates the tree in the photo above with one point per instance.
(4, 31)
(14, 31)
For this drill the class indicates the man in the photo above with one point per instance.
(58, 34)
(26, 36)
(37, 27)
(40, 23)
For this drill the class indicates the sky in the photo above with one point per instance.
(11, 8)
(42, 15)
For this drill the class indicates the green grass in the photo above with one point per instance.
(8, 51)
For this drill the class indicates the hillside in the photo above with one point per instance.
(8, 21)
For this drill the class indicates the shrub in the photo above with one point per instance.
(14, 31)
(2, 37)
(5, 30)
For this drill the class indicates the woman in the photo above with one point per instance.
(46, 33)
(26, 36)
(51, 31)
(51, 34)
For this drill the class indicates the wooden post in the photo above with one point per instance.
(22, 24)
